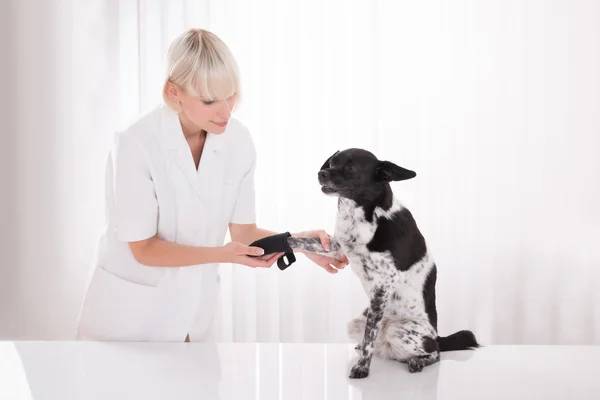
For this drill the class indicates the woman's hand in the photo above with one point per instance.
(238, 253)
(330, 264)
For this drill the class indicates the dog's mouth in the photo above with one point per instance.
(328, 189)
(331, 188)
(328, 186)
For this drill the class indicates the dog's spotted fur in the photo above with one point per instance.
(388, 253)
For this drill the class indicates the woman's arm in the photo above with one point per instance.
(248, 233)
(158, 252)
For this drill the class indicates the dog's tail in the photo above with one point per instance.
(461, 340)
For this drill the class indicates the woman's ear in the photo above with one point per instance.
(173, 92)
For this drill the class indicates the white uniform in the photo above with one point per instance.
(153, 187)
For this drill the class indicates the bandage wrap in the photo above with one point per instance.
(277, 244)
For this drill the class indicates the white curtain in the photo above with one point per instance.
(494, 104)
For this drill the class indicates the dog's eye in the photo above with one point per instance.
(351, 168)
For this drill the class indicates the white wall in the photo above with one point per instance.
(496, 105)
(7, 207)
(54, 140)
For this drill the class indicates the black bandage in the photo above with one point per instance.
(277, 244)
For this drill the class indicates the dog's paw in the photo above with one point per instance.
(359, 372)
(415, 365)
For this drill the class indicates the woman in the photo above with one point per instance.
(177, 178)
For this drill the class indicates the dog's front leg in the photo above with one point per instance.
(313, 245)
(377, 299)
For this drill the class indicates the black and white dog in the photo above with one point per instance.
(389, 254)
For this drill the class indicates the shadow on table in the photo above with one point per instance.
(391, 379)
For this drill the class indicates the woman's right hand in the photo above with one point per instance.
(238, 253)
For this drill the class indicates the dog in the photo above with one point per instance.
(385, 248)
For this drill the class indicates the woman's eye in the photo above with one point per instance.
(207, 102)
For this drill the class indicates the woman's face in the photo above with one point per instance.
(197, 114)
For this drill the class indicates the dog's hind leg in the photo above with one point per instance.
(378, 298)
(416, 364)
(313, 245)
(413, 343)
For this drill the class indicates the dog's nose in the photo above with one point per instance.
(323, 174)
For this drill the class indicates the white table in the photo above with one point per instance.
(178, 371)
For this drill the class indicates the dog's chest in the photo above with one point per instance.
(352, 229)
(353, 232)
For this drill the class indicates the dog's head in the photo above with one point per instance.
(356, 173)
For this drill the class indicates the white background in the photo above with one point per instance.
(495, 105)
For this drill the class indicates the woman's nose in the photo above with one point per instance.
(224, 110)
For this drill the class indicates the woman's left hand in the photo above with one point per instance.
(330, 264)
(271, 258)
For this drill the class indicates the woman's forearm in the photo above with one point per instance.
(250, 234)
(247, 234)
(257, 234)
(157, 252)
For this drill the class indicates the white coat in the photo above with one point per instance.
(153, 187)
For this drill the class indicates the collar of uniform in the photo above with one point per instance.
(206, 180)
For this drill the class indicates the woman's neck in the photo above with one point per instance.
(190, 131)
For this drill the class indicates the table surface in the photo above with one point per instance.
(268, 371)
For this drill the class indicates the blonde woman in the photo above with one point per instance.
(177, 179)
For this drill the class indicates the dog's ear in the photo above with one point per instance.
(326, 163)
(387, 171)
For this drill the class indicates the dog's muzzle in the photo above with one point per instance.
(325, 177)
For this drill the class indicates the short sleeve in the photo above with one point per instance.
(135, 203)
(244, 211)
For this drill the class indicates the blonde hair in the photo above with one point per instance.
(202, 65)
